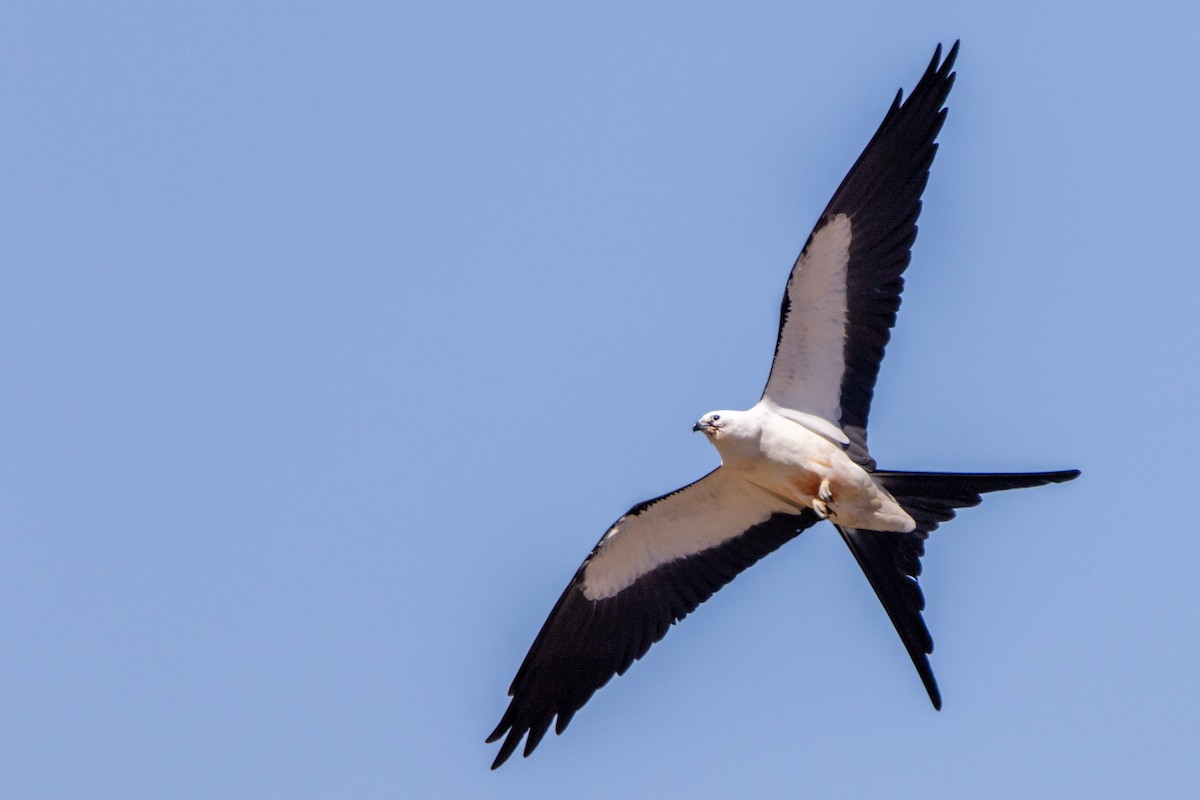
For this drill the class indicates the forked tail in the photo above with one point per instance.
(931, 497)
(892, 561)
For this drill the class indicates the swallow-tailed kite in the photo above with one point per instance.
(798, 456)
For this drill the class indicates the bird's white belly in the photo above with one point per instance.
(809, 470)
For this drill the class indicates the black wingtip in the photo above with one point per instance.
(941, 69)
(939, 66)
(510, 744)
(951, 56)
(937, 58)
(506, 749)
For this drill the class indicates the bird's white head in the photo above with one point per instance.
(730, 431)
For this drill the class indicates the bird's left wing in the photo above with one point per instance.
(844, 290)
(654, 566)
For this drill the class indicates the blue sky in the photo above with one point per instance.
(333, 337)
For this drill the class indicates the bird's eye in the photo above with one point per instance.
(716, 417)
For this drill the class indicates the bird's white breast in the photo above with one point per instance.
(792, 461)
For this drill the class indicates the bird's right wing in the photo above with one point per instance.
(841, 298)
(654, 566)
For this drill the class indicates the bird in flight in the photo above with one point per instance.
(798, 456)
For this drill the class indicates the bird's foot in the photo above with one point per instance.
(823, 503)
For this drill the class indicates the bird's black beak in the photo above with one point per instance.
(696, 427)
(699, 426)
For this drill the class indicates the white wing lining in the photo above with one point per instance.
(807, 373)
(714, 509)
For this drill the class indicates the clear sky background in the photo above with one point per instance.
(333, 336)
